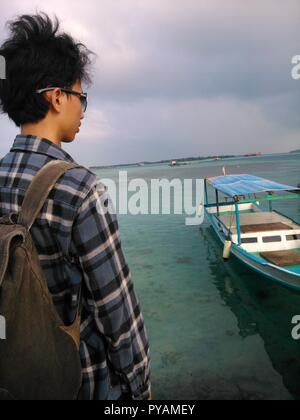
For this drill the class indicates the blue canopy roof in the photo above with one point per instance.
(232, 185)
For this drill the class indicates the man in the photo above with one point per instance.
(78, 243)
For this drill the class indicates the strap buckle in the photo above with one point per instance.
(10, 219)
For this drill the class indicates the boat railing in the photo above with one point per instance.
(223, 204)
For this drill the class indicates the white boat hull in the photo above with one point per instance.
(277, 274)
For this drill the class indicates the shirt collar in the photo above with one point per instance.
(40, 145)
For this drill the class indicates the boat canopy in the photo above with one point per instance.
(236, 185)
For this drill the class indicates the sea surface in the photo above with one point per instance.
(216, 330)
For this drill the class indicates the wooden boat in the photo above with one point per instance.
(267, 241)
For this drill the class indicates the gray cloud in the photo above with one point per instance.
(185, 78)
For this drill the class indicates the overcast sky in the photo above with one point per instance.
(179, 78)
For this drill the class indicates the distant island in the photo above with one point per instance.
(189, 159)
(295, 151)
(177, 162)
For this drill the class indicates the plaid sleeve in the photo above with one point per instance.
(113, 301)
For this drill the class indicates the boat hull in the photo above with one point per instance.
(276, 274)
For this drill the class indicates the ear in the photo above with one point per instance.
(55, 98)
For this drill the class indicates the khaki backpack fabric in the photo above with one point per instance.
(39, 358)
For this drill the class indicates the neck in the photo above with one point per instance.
(41, 130)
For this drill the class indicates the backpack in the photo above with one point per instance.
(39, 355)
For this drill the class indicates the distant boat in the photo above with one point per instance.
(265, 240)
(174, 163)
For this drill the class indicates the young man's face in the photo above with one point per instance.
(71, 115)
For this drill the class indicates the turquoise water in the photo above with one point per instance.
(217, 331)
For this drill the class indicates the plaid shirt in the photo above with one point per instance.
(79, 244)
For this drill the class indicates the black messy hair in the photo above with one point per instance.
(37, 56)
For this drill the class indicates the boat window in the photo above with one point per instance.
(293, 237)
(249, 240)
(267, 239)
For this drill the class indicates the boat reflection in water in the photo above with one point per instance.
(261, 307)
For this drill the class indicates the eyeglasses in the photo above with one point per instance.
(82, 96)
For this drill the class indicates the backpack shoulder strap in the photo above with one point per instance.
(39, 190)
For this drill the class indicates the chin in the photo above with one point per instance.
(68, 139)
